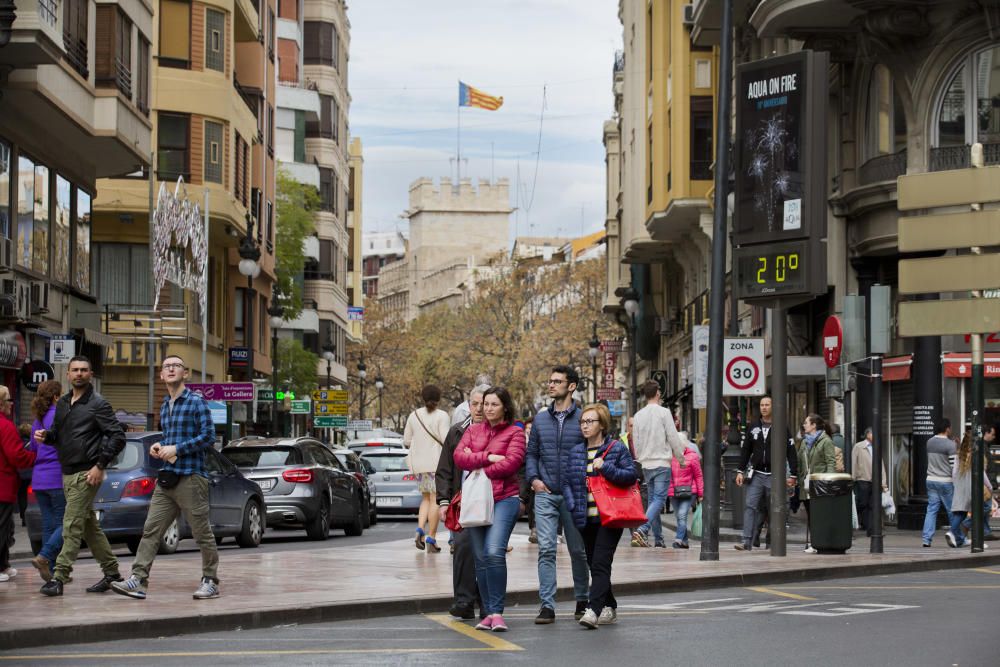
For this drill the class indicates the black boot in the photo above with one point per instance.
(104, 585)
(52, 588)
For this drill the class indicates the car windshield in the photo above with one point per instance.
(129, 457)
(262, 457)
(388, 462)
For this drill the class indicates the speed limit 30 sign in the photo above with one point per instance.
(743, 367)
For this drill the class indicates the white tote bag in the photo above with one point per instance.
(477, 500)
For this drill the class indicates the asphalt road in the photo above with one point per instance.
(934, 618)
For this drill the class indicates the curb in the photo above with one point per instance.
(330, 612)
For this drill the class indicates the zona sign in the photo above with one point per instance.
(743, 364)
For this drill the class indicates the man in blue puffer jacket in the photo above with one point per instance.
(555, 434)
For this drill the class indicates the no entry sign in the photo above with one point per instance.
(743, 367)
(833, 341)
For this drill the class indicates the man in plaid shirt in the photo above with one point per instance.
(182, 485)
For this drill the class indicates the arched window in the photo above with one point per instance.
(969, 112)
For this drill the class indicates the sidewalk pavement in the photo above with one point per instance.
(262, 588)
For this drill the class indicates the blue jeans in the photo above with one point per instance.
(939, 494)
(681, 510)
(658, 482)
(52, 503)
(960, 520)
(550, 510)
(489, 550)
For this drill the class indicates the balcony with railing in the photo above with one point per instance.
(245, 95)
(882, 168)
(946, 158)
(36, 34)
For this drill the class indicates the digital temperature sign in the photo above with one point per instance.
(776, 269)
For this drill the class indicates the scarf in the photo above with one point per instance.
(811, 438)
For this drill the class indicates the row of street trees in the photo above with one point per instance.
(517, 324)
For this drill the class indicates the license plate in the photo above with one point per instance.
(265, 484)
(98, 514)
(390, 501)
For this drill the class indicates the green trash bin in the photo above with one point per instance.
(830, 512)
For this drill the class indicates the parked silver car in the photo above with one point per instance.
(303, 484)
(397, 491)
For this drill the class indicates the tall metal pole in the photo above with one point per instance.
(978, 446)
(876, 500)
(274, 381)
(204, 284)
(717, 306)
(779, 430)
(632, 359)
(150, 360)
(328, 385)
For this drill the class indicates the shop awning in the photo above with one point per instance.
(959, 364)
(895, 369)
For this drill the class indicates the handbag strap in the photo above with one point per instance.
(427, 430)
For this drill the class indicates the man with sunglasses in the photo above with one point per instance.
(182, 485)
(554, 433)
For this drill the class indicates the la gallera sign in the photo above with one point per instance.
(179, 244)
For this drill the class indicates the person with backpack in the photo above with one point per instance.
(424, 435)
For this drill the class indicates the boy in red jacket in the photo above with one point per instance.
(13, 455)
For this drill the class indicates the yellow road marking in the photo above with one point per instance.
(489, 638)
(793, 596)
(986, 570)
(227, 654)
(914, 587)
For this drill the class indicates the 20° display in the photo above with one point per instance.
(771, 270)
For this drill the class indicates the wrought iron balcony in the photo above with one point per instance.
(883, 168)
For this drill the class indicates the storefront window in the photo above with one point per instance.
(4, 189)
(81, 263)
(60, 236)
(25, 209)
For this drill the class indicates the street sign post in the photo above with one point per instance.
(743, 367)
(337, 395)
(779, 224)
(359, 425)
(330, 408)
(301, 407)
(833, 341)
(330, 422)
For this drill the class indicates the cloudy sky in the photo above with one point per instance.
(405, 63)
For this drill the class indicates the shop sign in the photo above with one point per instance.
(34, 373)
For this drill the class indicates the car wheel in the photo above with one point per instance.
(356, 527)
(366, 515)
(253, 526)
(319, 528)
(133, 545)
(171, 538)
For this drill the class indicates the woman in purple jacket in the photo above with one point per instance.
(46, 479)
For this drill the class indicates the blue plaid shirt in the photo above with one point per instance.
(189, 428)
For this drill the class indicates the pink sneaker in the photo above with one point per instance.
(498, 624)
(485, 624)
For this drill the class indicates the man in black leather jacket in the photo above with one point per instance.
(87, 437)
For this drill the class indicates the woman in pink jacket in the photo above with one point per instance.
(496, 446)
(686, 489)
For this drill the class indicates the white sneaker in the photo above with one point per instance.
(810, 550)
(950, 537)
(208, 590)
(8, 574)
(589, 620)
(4, 577)
(609, 616)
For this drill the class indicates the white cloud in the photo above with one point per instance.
(406, 60)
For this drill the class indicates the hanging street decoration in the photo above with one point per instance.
(179, 244)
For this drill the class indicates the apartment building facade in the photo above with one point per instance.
(74, 108)
(212, 106)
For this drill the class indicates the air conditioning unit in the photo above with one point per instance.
(6, 254)
(40, 296)
(16, 298)
(688, 14)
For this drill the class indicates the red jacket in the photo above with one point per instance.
(13, 455)
(483, 439)
(689, 475)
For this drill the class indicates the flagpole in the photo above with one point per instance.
(458, 157)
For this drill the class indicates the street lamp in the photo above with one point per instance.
(329, 353)
(630, 301)
(595, 349)
(249, 266)
(277, 313)
(380, 385)
(362, 372)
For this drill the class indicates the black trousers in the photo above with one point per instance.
(6, 533)
(463, 572)
(600, 543)
(863, 498)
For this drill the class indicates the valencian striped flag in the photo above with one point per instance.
(473, 97)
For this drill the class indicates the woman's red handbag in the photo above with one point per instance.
(619, 507)
(453, 512)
